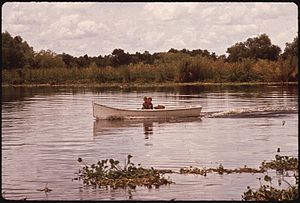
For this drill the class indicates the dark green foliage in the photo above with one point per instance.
(267, 192)
(254, 48)
(255, 60)
(291, 49)
(108, 172)
(289, 60)
(237, 52)
(16, 53)
(68, 60)
(83, 61)
(220, 170)
(281, 163)
(120, 58)
(48, 59)
(242, 71)
(196, 52)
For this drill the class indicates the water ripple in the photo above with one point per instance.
(44, 133)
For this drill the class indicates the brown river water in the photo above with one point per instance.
(46, 129)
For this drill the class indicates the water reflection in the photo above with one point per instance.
(247, 91)
(53, 126)
(101, 126)
(148, 129)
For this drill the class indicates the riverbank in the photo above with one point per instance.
(137, 85)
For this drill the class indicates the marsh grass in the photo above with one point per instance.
(167, 68)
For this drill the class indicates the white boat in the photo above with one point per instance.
(105, 112)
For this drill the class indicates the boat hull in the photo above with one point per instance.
(105, 112)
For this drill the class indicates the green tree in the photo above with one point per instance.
(238, 52)
(6, 42)
(68, 60)
(289, 61)
(48, 59)
(254, 48)
(120, 57)
(147, 58)
(261, 48)
(99, 61)
(83, 61)
(291, 49)
(15, 52)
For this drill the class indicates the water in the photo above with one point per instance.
(46, 129)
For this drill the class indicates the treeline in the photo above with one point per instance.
(255, 60)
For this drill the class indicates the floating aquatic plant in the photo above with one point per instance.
(220, 170)
(108, 172)
(281, 163)
(193, 170)
(268, 192)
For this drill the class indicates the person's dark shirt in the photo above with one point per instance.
(145, 106)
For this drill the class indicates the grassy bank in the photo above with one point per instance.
(255, 62)
(137, 85)
(188, 71)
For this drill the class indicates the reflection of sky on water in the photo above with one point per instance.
(45, 131)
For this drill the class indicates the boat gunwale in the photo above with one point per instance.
(148, 110)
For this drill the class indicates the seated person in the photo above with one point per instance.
(150, 103)
(145, 104)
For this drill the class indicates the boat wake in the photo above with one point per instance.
(259, 112)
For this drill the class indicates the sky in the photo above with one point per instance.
(97, 28)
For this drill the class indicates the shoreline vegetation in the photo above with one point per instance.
(255, 61)
(145, 85)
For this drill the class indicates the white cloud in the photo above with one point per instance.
(87, 27)
(163, 11)
(98, 28)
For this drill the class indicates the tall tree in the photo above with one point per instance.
(83, 61)
(68, 60)
(291, 49)
(238, 52)
(16, 53)
(48, 59)
(120, 57)
(6, 43)
(289, 58)
(254, 48)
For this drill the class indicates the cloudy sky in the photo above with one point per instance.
(98, 28)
